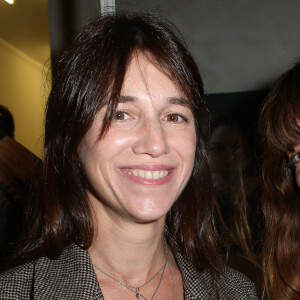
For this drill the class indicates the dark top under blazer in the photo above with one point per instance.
(71, 276)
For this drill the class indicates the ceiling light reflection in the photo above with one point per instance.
(10, 1)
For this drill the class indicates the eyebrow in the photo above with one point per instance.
(172, 100)
(180, 101)
(125, 99)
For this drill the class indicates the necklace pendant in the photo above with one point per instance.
(138, 294)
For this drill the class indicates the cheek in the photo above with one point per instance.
(185, 144)
(117, 139)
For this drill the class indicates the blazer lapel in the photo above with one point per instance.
(196, 285)
(70, 276)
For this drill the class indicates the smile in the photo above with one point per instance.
(147, 174)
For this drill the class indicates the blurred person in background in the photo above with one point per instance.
(18, 173)
(228, 167)
(238, 208)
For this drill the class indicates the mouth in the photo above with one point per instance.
(146, 173)
(154, 175)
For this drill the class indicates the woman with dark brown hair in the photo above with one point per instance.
(121, 214)
(281, 199)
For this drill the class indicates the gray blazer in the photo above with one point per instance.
(71, 276)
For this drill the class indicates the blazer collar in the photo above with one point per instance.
(70, 276)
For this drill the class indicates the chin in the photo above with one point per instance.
(149, 219)
(150, 215)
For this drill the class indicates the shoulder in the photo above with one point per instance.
(16, 283)
(236, 285)
(19, 281)
(68, 276)
(231, 284)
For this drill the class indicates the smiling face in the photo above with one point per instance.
(141, 165)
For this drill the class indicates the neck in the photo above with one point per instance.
(129, 251)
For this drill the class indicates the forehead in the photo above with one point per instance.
(144, 78)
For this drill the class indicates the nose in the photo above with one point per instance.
(151, 139)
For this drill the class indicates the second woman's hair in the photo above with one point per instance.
(280, 128)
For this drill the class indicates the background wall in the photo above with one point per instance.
(24, 46)
(239, 45)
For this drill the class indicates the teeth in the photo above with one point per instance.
(147, 174)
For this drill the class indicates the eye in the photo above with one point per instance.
(295, 159)
(175, 118)
(121, 116)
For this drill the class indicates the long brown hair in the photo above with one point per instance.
(89, 75)
(281, 196)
